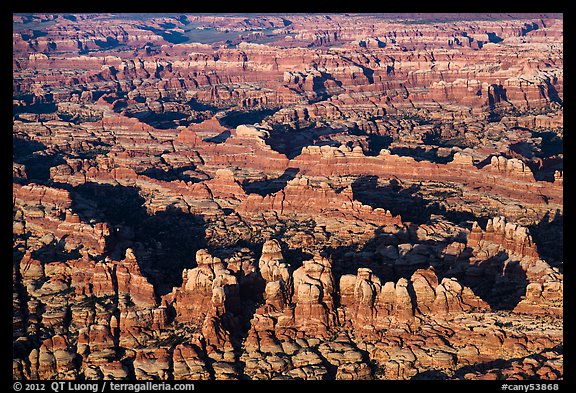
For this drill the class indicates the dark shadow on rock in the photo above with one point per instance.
(220, 138)
(114, 204)
(171, 174)
(164, 120)
(376, 143)
(548, 235)
(430, 375)
(235, 118)
(393, 197)
(55, 252)
(484, 162)
(496, 95)
(176, 236)
(295, 256)
(202, 106)
(34, 156)
(553, 93)
(545, 155)
(24, 147)
(78, 118)
(368, 72)
(500, 284)
(405, 201)
(455, 216)
(528, 27)
(320, 89)
(500, 364)
(164, 243)
(172, 36)
(270, 186)
(36, 108)
(290, 142)
(348, 259)
(498, 280)
(545, 170)
(435, 138)
(33, 34)
(493, 38)
(551, 144)
(421, 154)
(110, 43)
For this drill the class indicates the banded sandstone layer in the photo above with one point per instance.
(287, 196)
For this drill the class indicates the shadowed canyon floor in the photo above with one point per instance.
(343, 196)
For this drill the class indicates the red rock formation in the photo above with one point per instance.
(301, 196)
(225, 187)
(513, 238)
(274, 271)
(543, 298)
(207, 289)
(331, 161)
(510, 168)
(544, 290)
(42, 195)
(131, 283)
(54, 360)
(313, 296)
(152, 364)
(91, 238)
(96, 344)
(370, 305)
(188, 363)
